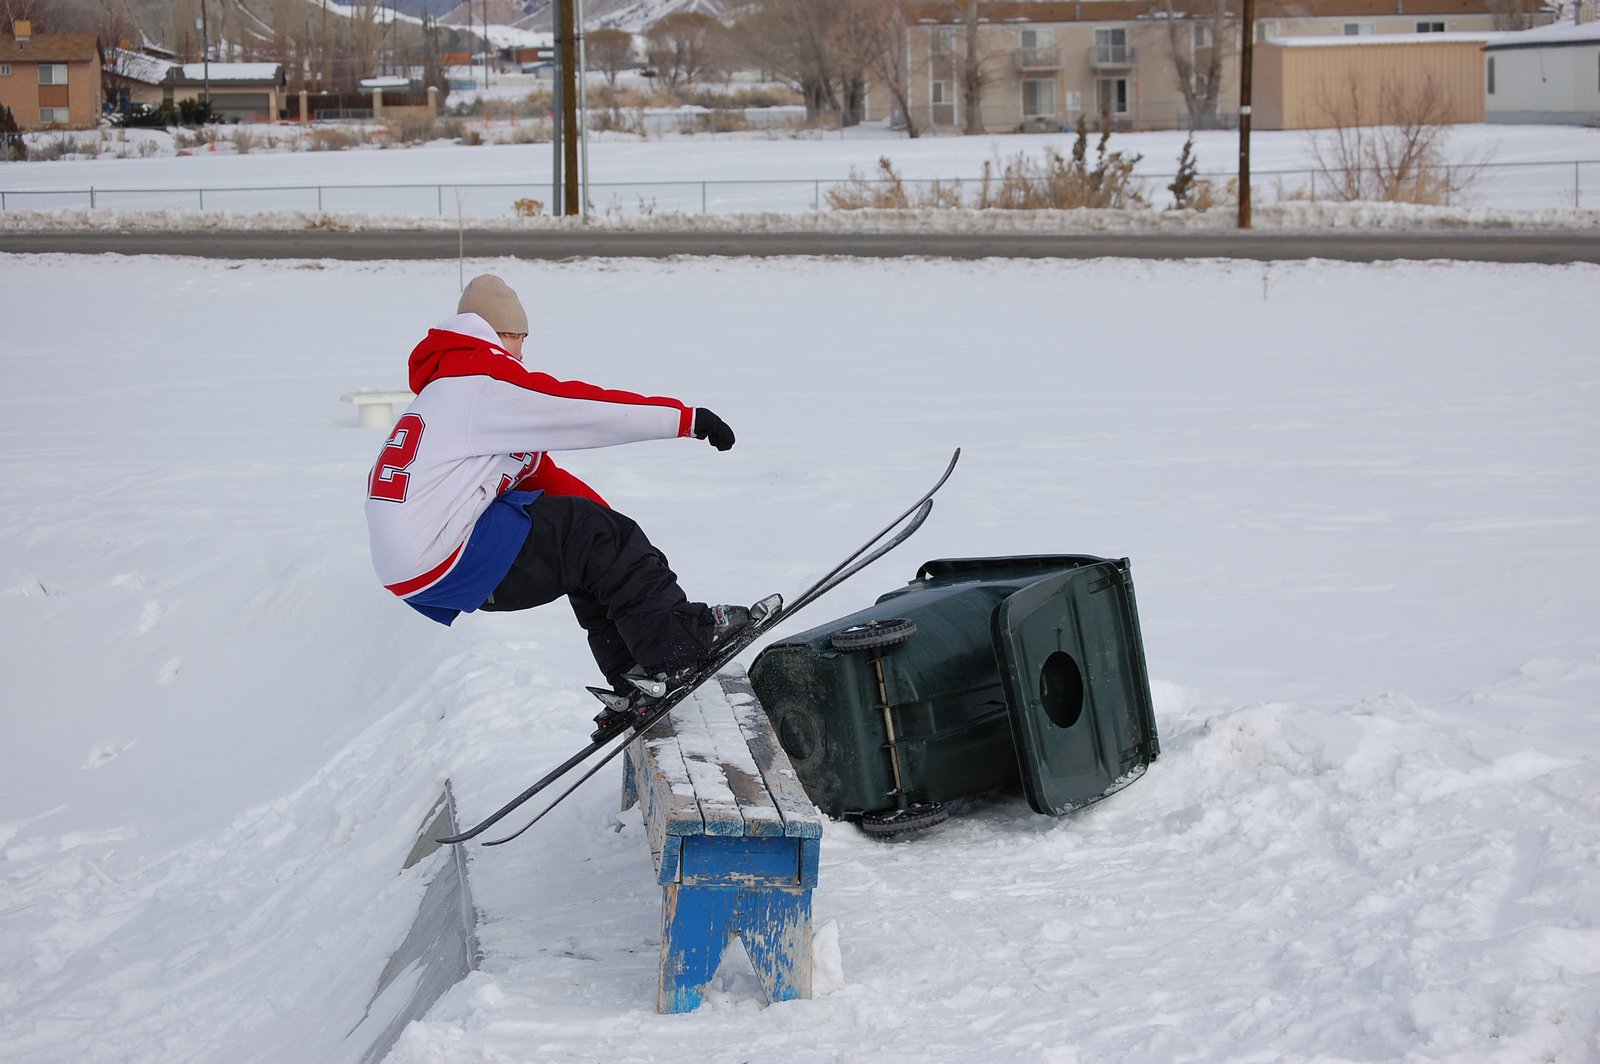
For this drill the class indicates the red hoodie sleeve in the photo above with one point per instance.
(553, 480)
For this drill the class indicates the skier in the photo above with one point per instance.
(466, 510)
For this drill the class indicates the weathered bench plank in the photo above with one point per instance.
(734, 839)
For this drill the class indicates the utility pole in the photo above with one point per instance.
(568, 50)
(557, 196)
(1246, 68)
(583, 116)
(205, 54)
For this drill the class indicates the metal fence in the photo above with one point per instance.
(1523, 186)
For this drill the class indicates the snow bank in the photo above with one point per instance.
(1359, 502)
(1289, 216)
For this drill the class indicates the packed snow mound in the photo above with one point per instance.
(1283, 216)
(1364, 547)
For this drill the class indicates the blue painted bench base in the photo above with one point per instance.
(735, 843)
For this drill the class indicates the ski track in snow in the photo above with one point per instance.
(1362, 542)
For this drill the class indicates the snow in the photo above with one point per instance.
(1360, 502)
(1366, 41)
(1557, 33)
(1525, 175)
(232, 71)
(137, 66)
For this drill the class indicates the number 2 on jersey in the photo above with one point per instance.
(389, 479)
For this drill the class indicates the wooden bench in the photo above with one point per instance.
(735, 842)
(375, 408)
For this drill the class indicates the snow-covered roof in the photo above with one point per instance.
(137, 66)
(1554, 35)
(1385, 38)
(386, 83)
(232, 71)
(511, 37)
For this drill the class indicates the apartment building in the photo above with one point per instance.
(1040, 65)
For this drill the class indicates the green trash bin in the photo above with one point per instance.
(981, 673)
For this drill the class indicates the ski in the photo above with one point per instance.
(656, 710)
(902, 527)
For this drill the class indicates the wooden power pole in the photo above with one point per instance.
(568, 45)
(1246, 68)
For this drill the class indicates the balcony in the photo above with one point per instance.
(1113, 57)
(1038, 59)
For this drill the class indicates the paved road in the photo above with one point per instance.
(1485, 245)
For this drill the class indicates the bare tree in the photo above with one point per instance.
(974, 70)
(118, 33)
(42, 16)
(876, 30)
(1387, 143)
(1516, 14)
(684, 45)
(803, 42)
(1200, 41)
(974, 73)
(610, 50)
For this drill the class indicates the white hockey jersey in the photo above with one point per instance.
(478, 428)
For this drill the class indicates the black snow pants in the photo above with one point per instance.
(624, 594)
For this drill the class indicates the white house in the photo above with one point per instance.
(1549, 75)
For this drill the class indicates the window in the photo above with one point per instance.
(1114, 38)
(52, 73)
(1489, 76)
(944, 40)
(1111, 46)
(1112, 96)
(1430, 27)
(1038, 51)
(1358, 29)
(54, 116)
(941, 92)
(5, 70)
(1039, 98)
(1201, 35)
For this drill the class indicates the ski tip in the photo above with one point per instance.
(766, 607)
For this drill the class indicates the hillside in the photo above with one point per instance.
(255, 23)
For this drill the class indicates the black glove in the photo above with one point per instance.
(708, 426)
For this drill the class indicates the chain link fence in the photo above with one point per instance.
(1521, 186)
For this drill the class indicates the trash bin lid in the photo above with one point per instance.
(1072, 663)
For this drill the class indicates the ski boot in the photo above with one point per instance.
(726, 623)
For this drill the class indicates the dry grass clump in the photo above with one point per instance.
(1058, 182)
(1063, 183)
(888, 192)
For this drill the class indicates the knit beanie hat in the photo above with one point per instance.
(493, 300)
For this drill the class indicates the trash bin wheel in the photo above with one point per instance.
(915, 817)
(885, 633)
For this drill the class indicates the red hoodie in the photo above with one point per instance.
(479, 427)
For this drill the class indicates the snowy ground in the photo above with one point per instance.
(1525, 175)
(1361, 504)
